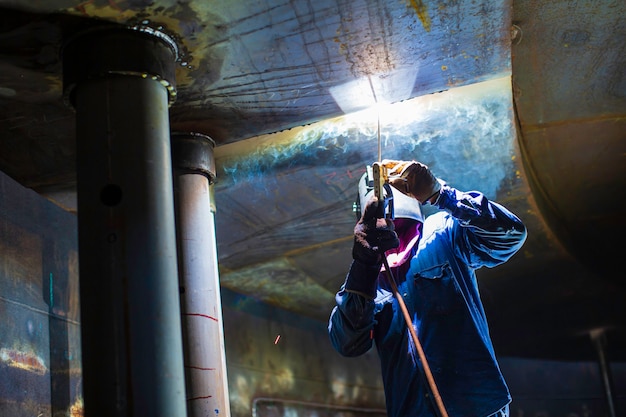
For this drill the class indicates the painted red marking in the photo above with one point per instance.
(335, 176)
(199, 398)
(201, 369)
(113, 4)
(81, 7)
(201, 315)
(331, 175)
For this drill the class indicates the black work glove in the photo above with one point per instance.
(413, 179)
(372, 236)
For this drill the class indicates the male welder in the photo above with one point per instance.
(433, 263)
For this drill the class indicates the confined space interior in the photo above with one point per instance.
(524, 101)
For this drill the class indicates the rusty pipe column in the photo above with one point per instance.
(120, 81)
(201, 306)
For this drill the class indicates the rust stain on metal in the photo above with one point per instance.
(422, 13)
(77, 409)
(27, 361)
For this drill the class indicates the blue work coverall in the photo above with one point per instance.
(440, 291)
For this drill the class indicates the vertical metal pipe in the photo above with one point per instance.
(130, 313)
(598, 337)
(201, 308)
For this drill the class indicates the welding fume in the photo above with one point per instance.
(411, 291)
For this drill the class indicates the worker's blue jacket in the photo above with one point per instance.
(441, 294)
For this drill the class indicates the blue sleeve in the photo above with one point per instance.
(486, 234)
(352, 320)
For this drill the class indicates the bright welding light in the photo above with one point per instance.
(376, 89)
(353, 96)
(467, 135)
(396, 114)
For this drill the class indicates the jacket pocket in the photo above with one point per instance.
(435, 291)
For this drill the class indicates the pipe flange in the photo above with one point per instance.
(193, 153)
(110, 51)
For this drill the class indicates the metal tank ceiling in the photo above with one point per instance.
(524, 100)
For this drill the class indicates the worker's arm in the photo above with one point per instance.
(352, 320)
(486, 233)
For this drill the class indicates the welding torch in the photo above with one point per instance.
(383, 192)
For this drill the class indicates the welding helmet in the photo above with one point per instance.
(404, 207)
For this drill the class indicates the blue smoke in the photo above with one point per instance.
(466, 136)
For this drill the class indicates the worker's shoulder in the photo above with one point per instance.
(436, 222)
(436, 217)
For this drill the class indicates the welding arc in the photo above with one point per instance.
(380, 152)
(418, 345)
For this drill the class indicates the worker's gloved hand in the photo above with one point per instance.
(413, 179)
(372, 236)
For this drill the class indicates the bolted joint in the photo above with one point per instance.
(193, 153)
(112, 51)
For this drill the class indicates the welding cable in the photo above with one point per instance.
(418, 345)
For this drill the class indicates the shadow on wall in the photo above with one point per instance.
(545, 388)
